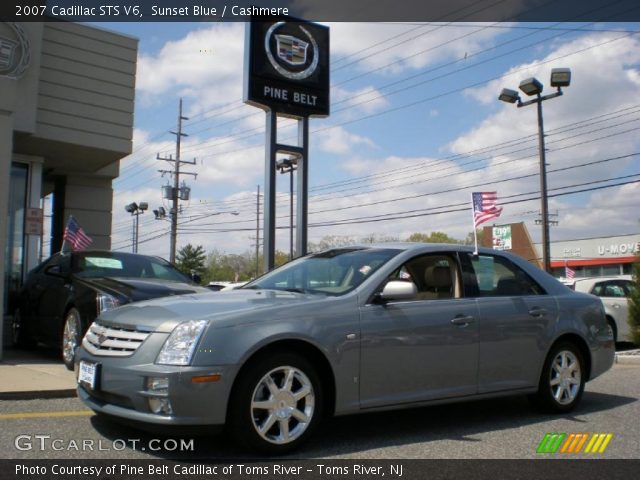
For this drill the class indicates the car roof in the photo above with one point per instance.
(586, 283)
(419, 246)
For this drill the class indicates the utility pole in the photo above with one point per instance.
(258, 233)
(176, 191)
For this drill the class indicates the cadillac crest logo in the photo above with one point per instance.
(293, 58)
(291, 49)
(287, 66)
(15, 52)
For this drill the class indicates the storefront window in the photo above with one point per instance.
(14, 253)
(610, 270)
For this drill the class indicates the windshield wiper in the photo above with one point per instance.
(294, 290)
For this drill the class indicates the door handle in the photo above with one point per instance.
(538, 312)
(462, 320)
(616, 305)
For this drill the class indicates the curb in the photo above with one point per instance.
(628, 359)
(36, 394)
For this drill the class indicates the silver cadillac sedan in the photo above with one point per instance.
(348, 330)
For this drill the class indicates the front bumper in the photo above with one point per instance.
(121, 390)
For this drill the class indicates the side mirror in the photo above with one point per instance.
(55, 271)
(398, 290)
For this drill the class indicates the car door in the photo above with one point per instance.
(515, 316)
(423, 348)
(613, 294)
(54, 288)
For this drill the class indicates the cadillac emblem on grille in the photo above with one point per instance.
(291, 49)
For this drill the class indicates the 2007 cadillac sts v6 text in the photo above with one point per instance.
(348, 330)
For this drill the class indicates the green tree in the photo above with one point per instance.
(634, 303)
(376, 238)
(433, 237)
(191, 259)
(330, 241)
(469, 240)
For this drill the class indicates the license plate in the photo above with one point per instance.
(87, 374)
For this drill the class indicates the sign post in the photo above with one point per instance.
(286, 74)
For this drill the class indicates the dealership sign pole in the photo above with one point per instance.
(286, 74)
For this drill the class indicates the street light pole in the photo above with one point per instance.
(560, 77)
(136, 209)
(546, 244)
(288, 166)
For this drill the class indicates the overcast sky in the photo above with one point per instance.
(416, 126)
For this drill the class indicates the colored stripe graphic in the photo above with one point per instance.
(551, 442)
(573, 443)
(598, 443)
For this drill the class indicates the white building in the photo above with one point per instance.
(66, 119)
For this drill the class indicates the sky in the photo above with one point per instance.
(415, 127)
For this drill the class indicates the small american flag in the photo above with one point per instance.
(74, 234)
(569, 272)
(485, 207)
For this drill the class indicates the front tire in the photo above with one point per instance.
(71, 336)
(562, 380)
(276, 404)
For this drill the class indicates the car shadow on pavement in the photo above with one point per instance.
(33, 356)
(458, 422)
(351, 434)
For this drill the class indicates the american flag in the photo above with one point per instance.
(74, 234)
(484, 207)
(569, 272)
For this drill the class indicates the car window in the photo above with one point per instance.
(164, 271)
(62, 260)
(113, 264)
(434, 275)
(608, 289)
(334, 272)
(497, 276)
(627, 286)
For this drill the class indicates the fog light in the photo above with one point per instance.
(159, 403)
(160, 406)
(158, 384)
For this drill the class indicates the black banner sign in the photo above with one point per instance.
(287, 66)
(318, 469)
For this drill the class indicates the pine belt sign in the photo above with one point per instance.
(287, 66)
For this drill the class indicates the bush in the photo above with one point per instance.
(634, 303)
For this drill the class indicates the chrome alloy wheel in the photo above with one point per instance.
(565, 377)
(70, 336)
(282, 405)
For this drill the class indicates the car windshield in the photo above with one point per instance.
(113, 264)
(334, 272)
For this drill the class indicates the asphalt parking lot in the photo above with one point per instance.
(490, 429)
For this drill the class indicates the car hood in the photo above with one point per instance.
(137, 289)
(163, 314)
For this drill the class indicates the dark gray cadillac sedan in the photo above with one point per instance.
(348, 330)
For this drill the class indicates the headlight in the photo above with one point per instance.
(179, 347)
(105, 302)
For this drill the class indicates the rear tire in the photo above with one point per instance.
(562, 381)
(19, 332)
(71, 337)
(613, 327)
(276, 403)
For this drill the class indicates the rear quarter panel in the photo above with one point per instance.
(583, 315)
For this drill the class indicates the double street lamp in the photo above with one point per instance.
(289, 165)
(136, 209)
(560, 77)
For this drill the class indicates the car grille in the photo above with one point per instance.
(112, 341)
